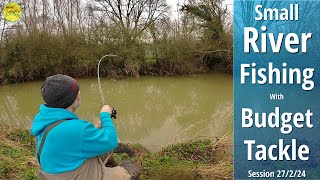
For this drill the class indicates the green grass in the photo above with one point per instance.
(198, 151)
(121, 157)
(191, 160)
(17, 159)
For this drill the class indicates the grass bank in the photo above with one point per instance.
(196, 159)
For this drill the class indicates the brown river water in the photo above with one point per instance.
(152, 111)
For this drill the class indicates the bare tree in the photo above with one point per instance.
(132, 17)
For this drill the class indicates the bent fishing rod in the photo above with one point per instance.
(114, 111)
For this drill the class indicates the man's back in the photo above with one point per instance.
(71, 143)
(71, 148)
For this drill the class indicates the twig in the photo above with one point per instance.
(219, 50)
(222, 138)
(175, 138)
(195, 136)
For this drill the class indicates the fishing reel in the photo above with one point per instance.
(114, 113)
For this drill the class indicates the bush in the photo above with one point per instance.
(37, 55)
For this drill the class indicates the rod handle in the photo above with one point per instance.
(114, 113)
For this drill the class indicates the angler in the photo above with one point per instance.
(69, 147)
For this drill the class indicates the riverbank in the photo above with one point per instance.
(195, 159)
(37, 55)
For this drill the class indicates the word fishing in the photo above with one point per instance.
(275, 75)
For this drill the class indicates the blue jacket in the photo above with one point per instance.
(70, 143)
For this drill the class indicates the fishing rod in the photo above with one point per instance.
(114, 111)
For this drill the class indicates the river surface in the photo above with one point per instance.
(152, 111)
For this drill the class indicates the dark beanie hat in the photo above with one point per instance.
(59, 91)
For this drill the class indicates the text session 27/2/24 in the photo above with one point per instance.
(277, 174)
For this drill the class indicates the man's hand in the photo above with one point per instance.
(106, 108)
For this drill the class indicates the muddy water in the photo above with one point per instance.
(153, 111)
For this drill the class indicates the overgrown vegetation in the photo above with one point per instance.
(17, 159)
(201, 159)
(197, 159)
(70, 36)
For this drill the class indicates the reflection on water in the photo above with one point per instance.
(153, 111)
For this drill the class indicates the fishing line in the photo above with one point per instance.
(114, 112)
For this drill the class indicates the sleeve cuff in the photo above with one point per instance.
(104, 115)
